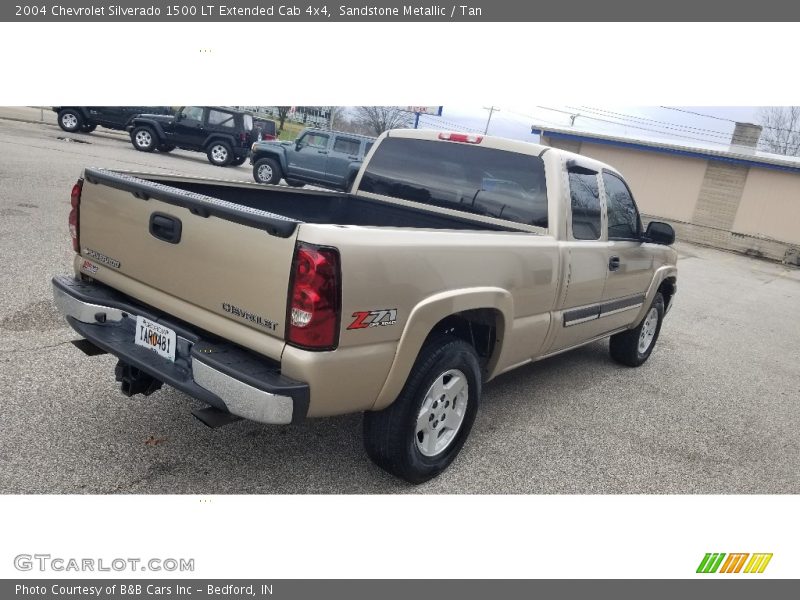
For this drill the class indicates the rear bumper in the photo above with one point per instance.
(218, 373)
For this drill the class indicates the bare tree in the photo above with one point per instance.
(282, 112)
(781, 133)
(378, 119)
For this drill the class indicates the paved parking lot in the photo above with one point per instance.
(715, 410)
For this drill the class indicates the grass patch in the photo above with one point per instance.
(290, 130)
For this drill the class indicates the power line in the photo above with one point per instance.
(691, 112)
(625, 116)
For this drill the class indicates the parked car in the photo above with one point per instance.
(264, 129)
(455, 259)
(224, 134)
(86, 118)
(318, 156)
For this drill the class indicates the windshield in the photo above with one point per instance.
(465, 177)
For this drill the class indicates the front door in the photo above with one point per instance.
(188, 129)
(309, 159)
(632, 264)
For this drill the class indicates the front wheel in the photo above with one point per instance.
(70, 120)
(633, 347)
(143, 139)
(421, 433)
(220, 154)
(266, 170)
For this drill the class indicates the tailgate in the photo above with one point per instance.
(211, 254)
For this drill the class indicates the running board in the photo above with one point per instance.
(214, 417)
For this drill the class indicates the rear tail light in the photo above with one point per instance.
(314, 298)
(467, 138)
(74, 215)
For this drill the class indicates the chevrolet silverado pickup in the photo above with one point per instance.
(453, 259)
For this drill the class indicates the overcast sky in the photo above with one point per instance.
(650, 122)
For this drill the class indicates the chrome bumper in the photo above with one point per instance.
(96, 320)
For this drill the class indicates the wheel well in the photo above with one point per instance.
(477, 327)
(668, 288)
(214, 140)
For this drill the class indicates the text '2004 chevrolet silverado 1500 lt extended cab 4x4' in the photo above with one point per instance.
(454, 259)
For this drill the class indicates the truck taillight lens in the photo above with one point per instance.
(74, 220)
(314, 297)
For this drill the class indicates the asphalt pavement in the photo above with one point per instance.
(714, 410)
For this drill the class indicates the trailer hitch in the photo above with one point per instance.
(135, 381)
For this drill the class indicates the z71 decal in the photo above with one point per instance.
(374, 318)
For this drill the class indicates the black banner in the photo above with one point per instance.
(335, 589)
(476, 11)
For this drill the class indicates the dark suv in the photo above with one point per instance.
(224, 134)
(87, 118)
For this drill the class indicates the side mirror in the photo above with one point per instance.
(180, 116)
(298, 145)
(659, 233)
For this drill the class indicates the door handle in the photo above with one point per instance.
(613, 263)
(165, 227)
(353, 157)
(322, 151)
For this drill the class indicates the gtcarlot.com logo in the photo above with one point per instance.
(734, 563)
(58, 564)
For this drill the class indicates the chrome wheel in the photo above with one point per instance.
(144, 139)
(442, 412)
(69, 121)
(264, 173)
(648, 330)
(219, 153)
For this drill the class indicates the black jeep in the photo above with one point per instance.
(224, 134)
(86, 118)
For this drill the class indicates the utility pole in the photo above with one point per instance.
(330, 118)
(491, 110)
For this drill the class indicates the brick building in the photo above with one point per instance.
(735, 198)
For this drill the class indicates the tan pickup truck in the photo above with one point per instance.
(455, 258)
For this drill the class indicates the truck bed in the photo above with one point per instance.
(325, 207)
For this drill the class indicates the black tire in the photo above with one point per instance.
(625, 347)
(262, 174)
(220, 153)
(88, 128)
(144, 139)
(70, 120)
(166, 148)
(391, 436)
(295, 183)
(238, 161)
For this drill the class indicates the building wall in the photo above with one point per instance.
(751, 210)
(770, 206)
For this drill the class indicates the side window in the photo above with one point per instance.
(346, 145)
(315, 140)
(221, 119)
(193, 113)
(584, 192)
(623, 218)
(368, 147)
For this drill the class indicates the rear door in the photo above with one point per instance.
(344, 151)
(586, 250)
(309, 160)
(209, 262)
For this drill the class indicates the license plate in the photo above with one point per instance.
(155, 337)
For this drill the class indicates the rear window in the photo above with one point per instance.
(268, 127)
(464, 177)
(247, 121)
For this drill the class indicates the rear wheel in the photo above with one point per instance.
(70, 120)
(220, 154)
(266, 170)
(421, 433)
(143, 139)
(633, 347)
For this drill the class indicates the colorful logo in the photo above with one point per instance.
(734, 562)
